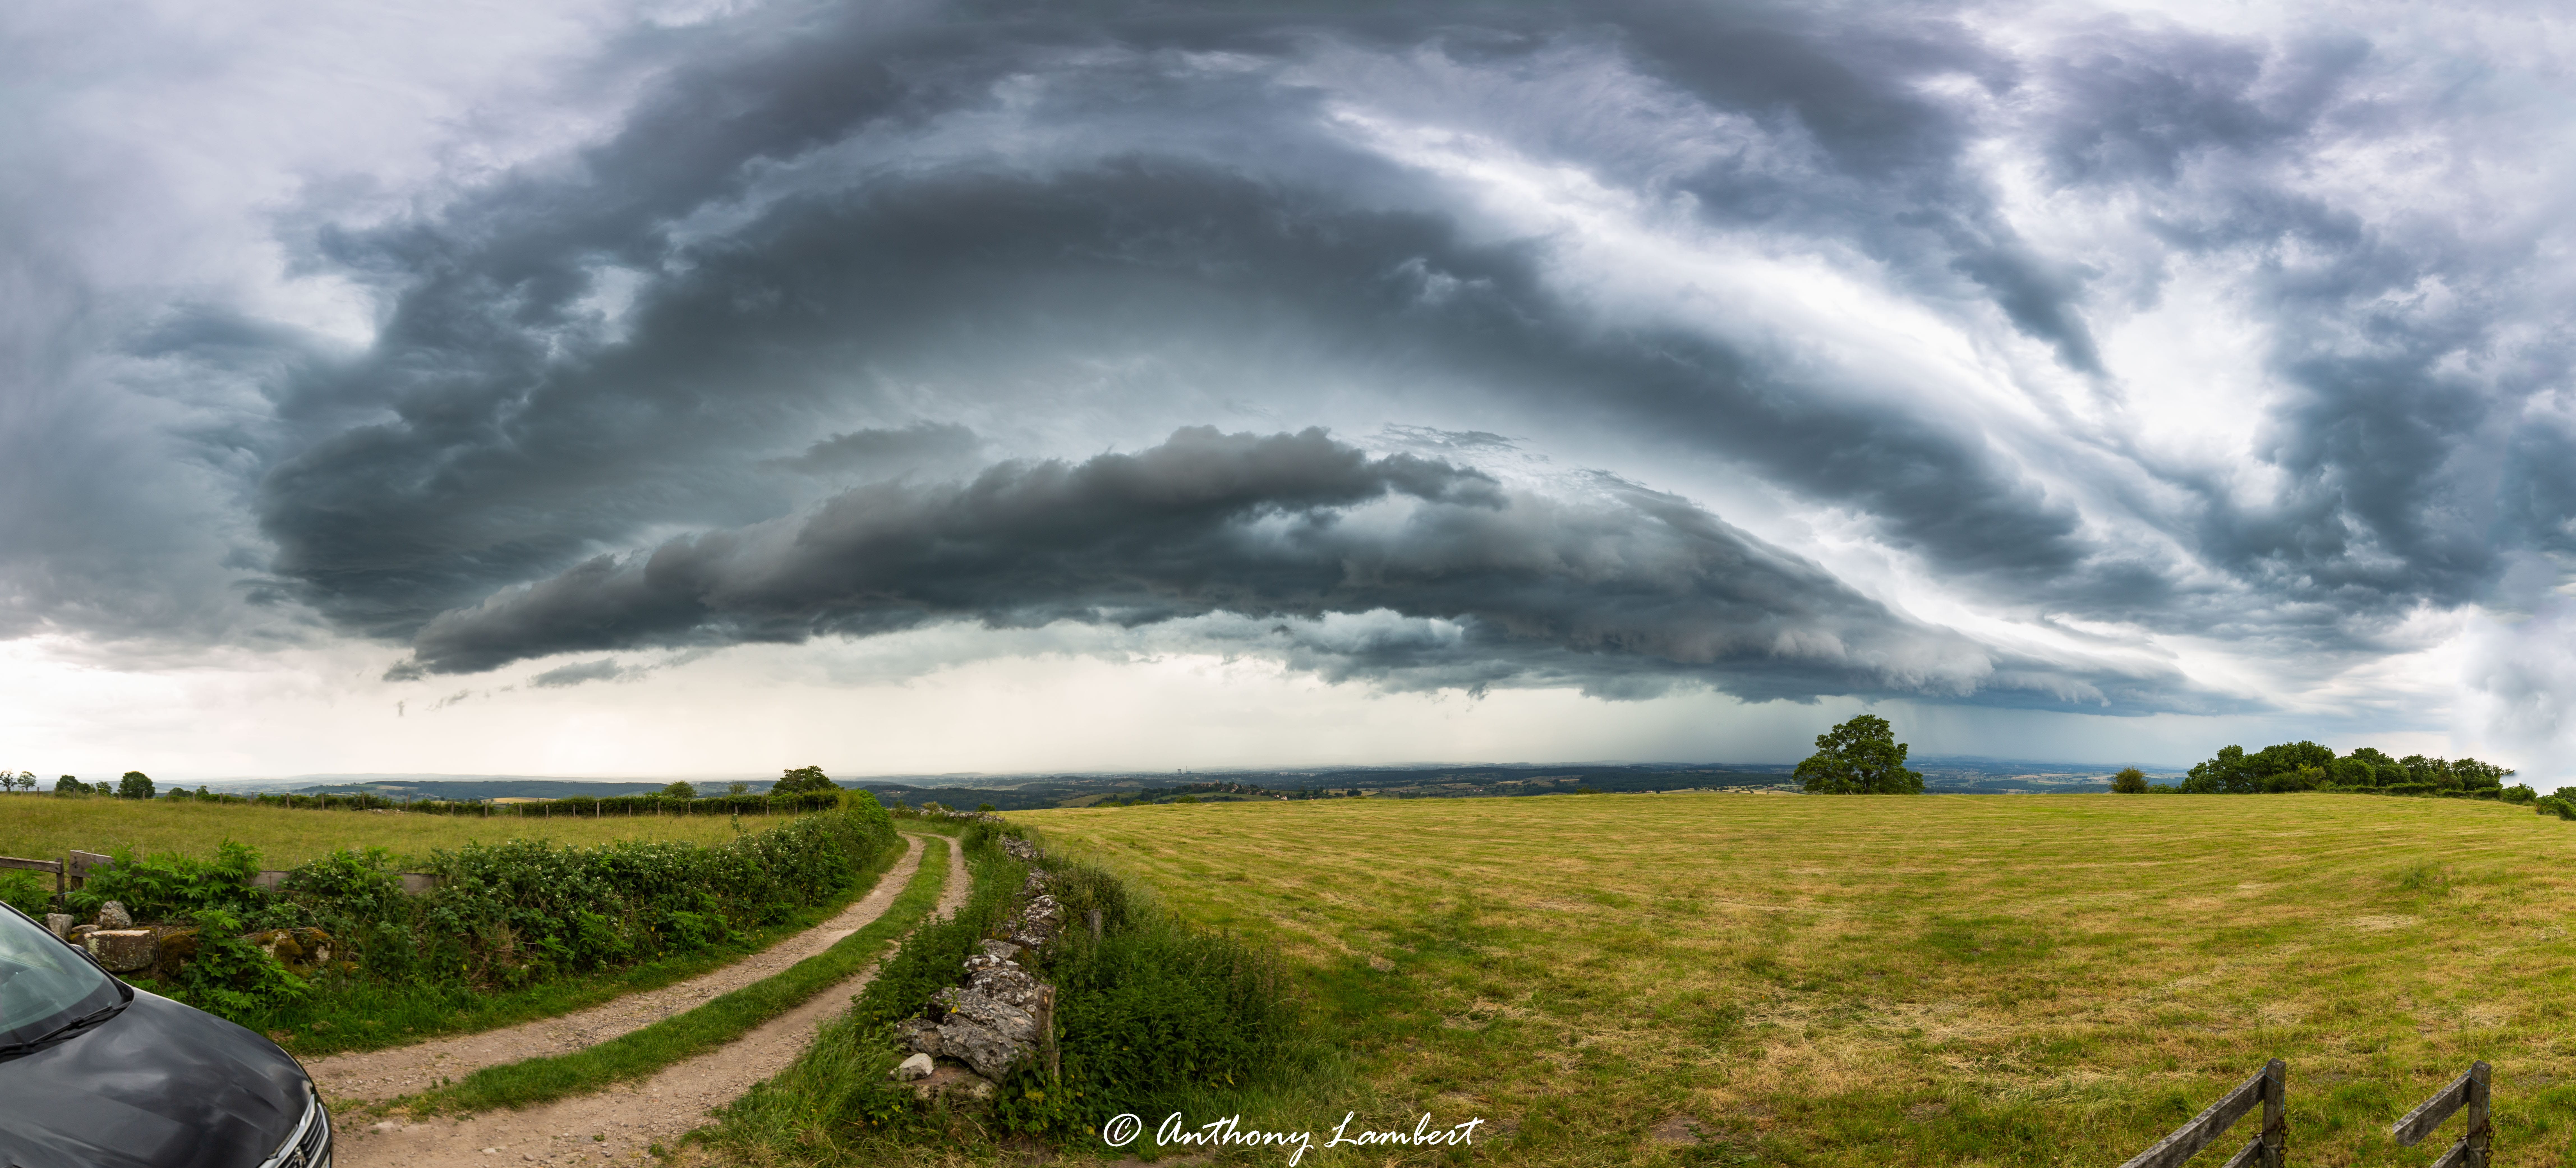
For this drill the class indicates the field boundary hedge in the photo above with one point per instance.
(504, 916)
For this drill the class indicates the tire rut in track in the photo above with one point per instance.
(368, 1076)
(619, 1124)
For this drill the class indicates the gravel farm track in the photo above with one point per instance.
(619, 1124)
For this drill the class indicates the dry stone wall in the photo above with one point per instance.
(969, 1036)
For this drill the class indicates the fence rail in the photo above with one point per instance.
(53, 866)
(2268, 1089)
(2472, 1092)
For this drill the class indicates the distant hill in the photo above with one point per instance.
(1960, 775)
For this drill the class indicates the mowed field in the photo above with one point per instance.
(43, 827)
(2041, 980)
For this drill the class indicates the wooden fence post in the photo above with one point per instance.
(2276, 1119)
(2481, 1136)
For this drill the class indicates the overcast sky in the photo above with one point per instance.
(638, 387)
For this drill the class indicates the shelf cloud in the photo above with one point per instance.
(2098, 361)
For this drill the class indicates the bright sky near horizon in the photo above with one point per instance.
(650, 387)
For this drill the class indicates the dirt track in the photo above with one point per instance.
(383, 1074)
(620, 1123)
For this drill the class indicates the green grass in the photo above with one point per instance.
(1912, 981)
(639, 1053)
(43, 827)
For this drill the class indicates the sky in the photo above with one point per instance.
(661, 387)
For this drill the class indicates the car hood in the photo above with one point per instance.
(160, 1085)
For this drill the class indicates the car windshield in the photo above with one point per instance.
(43, 982)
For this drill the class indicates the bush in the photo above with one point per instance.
(172, 887)
(1150, 1013)
(2130, 781)
(2519, 794)
(506, 914)
(27, 893)
(1147, 1013)
(2556, 805)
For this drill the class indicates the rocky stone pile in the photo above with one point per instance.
(970, 1036)
(122, 946)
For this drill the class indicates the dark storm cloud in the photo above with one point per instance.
(602, 669)
(887, 453)
(835, 258)
(1619, 594)
(763, 328)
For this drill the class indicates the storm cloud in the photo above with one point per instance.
(1263, 526)
(2099, 360)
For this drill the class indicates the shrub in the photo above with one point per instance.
(173, 887)
(2130, 781)
(25, 892)
(2519, 793)
(2556, 805)
(505, 914)
(1151, 1012)
(1147, 1013)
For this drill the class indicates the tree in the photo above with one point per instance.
(135, 785)
(68, 785)
(679, 791)
(1859, 757)
(2130, 781)
(985, 808)
(737, 788)
(2474, 774)
(802, 779)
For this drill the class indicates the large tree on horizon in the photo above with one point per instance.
(1859, 757)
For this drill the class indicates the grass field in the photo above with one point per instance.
(43, 827)
(1927, 981)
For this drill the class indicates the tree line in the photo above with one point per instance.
(1863, 757)
(2306, 766)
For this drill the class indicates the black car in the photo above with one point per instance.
(97, 1074)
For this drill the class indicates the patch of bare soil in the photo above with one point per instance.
(346, 1079)
(621, 1124)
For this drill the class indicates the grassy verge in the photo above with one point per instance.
(1155, 1014)
(1936, 981)
(373, 1015)
(639, 1053)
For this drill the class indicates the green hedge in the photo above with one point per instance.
(504, 915)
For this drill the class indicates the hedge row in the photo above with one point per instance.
(504, 915)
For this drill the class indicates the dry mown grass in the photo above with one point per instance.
(1938, 980)
(42, 827)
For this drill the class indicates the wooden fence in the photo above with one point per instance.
(2469, 1091)
(2270, 1088)
(53, 866)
